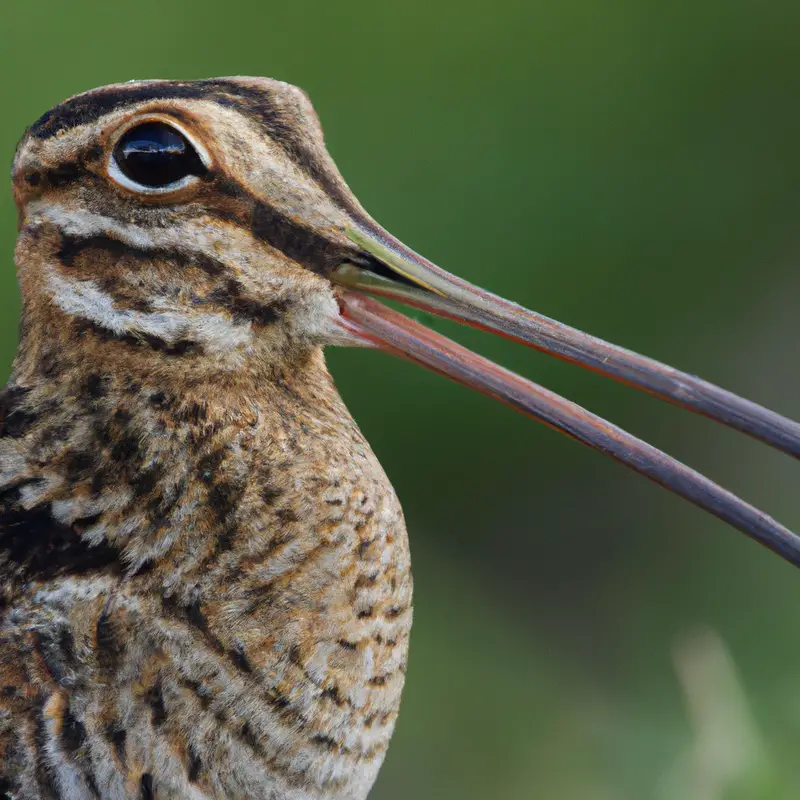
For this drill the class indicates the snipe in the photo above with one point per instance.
(205, 572)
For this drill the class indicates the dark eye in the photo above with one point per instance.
(155, 155)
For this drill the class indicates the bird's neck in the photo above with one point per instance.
(249, 542)
(157, 475)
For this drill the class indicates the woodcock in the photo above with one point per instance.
(206, 589)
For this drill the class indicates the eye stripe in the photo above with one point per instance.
(72, 245)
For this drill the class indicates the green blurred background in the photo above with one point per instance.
(632, 168)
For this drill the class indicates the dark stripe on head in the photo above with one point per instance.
(89, 107)
(67, 172)
(258, 104)
(243, 309)
(73, 246)
(179, 347)
(275, 110)
(229, 295)
(296, 241)
(228, 201)
(63, 174)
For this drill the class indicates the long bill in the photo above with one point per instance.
(431, 288)
(421, 284)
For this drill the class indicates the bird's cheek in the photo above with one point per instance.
(315, 319)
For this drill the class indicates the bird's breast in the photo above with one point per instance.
(246, 632)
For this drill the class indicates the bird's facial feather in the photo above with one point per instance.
(229, 261)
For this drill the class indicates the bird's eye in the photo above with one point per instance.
(155, 156)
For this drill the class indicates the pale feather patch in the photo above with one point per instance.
(69, 510)
(315, 314)
(84, 299)
(65, 592)
(199, 236)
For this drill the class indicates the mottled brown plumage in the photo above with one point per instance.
(206, 587)
(205, 572)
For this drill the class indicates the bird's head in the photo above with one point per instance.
(198, 222)
(191, 230)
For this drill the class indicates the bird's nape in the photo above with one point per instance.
(413, 280)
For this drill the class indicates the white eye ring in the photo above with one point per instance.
(118, 176)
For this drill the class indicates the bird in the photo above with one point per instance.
(206, 582)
